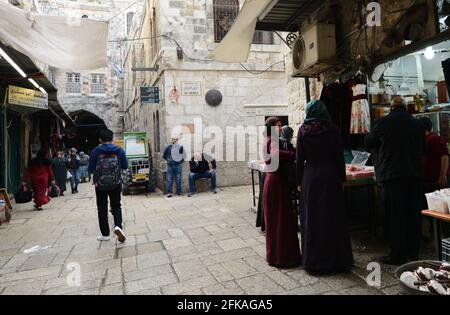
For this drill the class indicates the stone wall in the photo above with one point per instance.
(247, 97)
(105, 105)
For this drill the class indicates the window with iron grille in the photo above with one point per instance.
(73, 83)
(130, 16)
(97, 83)
(263, 38)
(225, 12)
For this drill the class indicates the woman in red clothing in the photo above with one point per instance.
(40, 173)
(282, 245)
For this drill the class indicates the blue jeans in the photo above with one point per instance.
(174, 170)
(75, 180)
(194, 176)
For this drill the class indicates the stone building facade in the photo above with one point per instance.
(177, 36)
(96, 92)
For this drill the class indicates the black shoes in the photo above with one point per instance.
(214, 191)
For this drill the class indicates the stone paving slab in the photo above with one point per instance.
(202, 245)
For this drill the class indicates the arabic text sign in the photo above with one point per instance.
(191, 88)
(27, 97)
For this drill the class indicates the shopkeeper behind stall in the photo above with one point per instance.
(435, 160)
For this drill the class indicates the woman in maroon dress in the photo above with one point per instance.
(40, 173)
(282, 245)
(326, 244)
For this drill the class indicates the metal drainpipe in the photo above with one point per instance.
(307, 89)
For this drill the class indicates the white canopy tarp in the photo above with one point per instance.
(235, 47)
(56, 41)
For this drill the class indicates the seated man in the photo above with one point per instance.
(199, 165)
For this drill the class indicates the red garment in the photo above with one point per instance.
(39, 175)
(431, 161)
(282, 244)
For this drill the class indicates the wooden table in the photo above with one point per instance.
(438, 218)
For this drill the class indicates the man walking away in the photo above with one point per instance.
(398, 144)
(105, 163)
(175, 155)
(199, 166)
(73, 165)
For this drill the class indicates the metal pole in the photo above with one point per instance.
(5, 144)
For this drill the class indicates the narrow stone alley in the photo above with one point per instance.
(202, 245)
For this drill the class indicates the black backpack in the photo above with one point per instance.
(107, 172)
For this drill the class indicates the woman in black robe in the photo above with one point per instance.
(59, 167)
(326, 245)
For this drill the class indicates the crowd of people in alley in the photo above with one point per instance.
(105, 162)
(64, 166)
(61, 168)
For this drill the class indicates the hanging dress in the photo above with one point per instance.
(360, 119)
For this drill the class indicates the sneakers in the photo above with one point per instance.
(102, 238)
(169, 195)
(214, 191)
(120, 235)
(190, 194)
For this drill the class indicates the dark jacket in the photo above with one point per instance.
(108, 148)
(397, 143)
(172, 156)
(203, 165)
(73, 163)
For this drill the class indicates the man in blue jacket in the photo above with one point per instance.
(174, 154)
(106, 162)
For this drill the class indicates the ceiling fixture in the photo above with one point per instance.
(34, 83)
(12, 63)
(429, 53)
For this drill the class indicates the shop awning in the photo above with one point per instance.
(57, 41)
(268, 15)
(287, 15)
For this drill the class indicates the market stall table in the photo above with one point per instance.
(438, 218)
(371, 185)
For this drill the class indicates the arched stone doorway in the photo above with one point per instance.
(84, 137)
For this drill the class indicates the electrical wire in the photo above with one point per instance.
(124, 10)
(262, 71)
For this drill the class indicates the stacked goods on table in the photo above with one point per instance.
(439, 200)
(356, 172)
(433, 278)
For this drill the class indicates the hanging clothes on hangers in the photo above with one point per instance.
(360, 112)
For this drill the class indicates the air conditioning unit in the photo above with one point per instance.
(314, 51)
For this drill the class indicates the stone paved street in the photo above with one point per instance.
(202, 245)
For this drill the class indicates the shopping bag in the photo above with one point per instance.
(54, 191)
(69, 175)
(24, 195)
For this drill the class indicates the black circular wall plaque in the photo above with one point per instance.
(213, 97)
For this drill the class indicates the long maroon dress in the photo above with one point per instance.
(282, 244)
(326, 241)
(40, 175)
